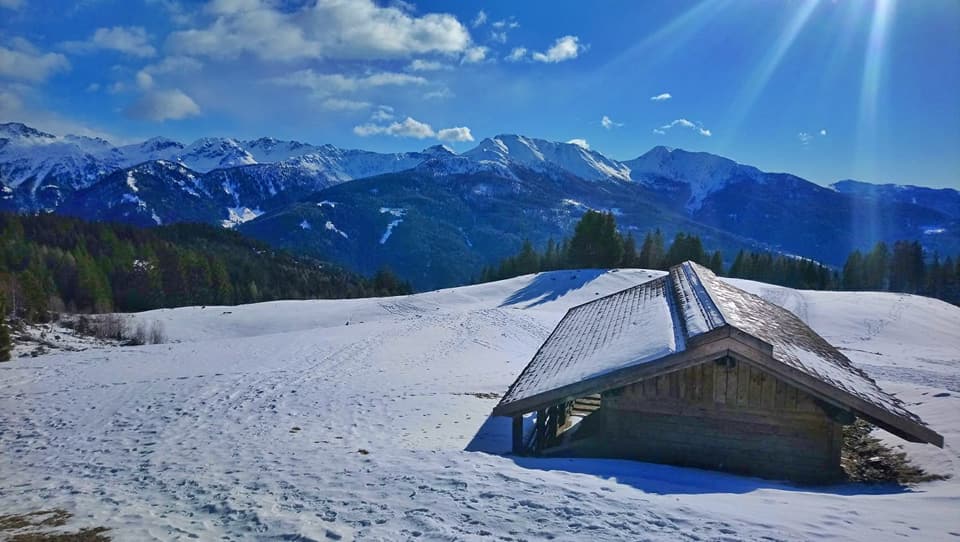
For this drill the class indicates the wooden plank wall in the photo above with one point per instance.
(722, 416)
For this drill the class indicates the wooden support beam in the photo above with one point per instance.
(518, 435)
(541, 430)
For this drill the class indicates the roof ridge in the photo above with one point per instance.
(704, 295)
(700, 310)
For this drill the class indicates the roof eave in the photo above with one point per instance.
(699, 349)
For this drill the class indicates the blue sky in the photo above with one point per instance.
(825, 89)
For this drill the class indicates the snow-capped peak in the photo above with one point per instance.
(439, 151)
(705, 173)
(540, 154)
(20, 130)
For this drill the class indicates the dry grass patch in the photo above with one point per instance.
(865, 459)
(45, 526)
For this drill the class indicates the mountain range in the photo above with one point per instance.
(436, 217)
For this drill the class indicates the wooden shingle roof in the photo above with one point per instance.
(687, 317)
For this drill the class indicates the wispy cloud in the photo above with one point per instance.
(510, 23)
(661, 97)
(480, 19)
(609, 123)
(683, 123)
(806, 137)
(341, 104)
(420, 65)
(580, 142)
(332, 83)
(516, 55)
(382, 113)
(129, 40)
(439, 94)
(564, 48)
(25, 62)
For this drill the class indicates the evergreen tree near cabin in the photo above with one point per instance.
(652, 251)
(595, 242)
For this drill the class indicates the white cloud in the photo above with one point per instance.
(410, 127)
(161, 105)
(474, 55)
(480, 19)
(419, 65)
(93, 87)
(457, 133)
(23, 61)
(130, 40)
(11, 4)
(333, 83)
(608, 123)
(684, 123)
(580, 143)
(565, 48)
(517, 54)
(823, 132)
(339, 104)
(506, 23)
(359, 29)
(661, 97)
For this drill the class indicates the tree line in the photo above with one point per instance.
(597, 243)
(52, 263)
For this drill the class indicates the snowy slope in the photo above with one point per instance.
(250, 424)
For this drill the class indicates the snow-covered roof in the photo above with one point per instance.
(601, 344)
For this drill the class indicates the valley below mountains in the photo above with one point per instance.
(437, 217)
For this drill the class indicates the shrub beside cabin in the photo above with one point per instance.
(689, 370)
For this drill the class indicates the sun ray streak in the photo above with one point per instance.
(758, 79)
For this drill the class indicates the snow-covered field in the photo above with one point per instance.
(368, 419)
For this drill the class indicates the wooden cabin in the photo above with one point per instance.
(689, 370)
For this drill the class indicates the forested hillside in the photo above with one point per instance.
(597, 243)
(53, 263)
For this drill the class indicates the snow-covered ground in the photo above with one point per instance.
(368, 419)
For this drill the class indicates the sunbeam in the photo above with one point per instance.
(873, 73)
(762, 73)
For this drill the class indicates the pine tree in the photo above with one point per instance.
(629, 252)
(877, 267)
(596, 242)
(854, 272)
(527, 261)
(906, 267)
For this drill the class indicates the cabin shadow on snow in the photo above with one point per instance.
(494, 437)
(547, 287)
